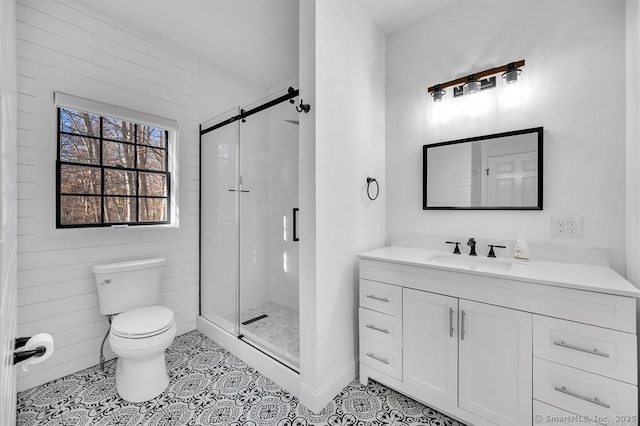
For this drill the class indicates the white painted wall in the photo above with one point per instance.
(8, 210)
(347, 101)
(309, 379)
(633, 140)
(569, 47)
(63, 47)
(221, 91)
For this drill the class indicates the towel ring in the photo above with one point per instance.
(371, 180)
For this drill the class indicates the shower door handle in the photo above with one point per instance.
(295, 224)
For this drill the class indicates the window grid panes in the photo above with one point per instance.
(110, 172)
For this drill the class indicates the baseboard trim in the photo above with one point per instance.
(316, 399)
(276, 372)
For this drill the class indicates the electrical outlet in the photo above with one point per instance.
(558, 226)
(566, 226)
(574, 226)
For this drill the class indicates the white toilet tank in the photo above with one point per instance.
(128, 284)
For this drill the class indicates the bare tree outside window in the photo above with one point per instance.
(110, 171)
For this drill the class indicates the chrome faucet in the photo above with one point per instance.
(472, 243)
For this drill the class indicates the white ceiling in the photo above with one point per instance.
(257, 40)
(392, 15)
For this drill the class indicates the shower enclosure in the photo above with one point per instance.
(248, 235)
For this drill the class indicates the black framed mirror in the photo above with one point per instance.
(502, 171)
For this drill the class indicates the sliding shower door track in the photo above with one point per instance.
(267, 353)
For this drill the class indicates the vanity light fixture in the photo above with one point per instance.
(438, 93)
(478, 81)
(474, 86)
(512, 73)
(471, 86)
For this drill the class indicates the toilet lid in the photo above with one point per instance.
(142, 322)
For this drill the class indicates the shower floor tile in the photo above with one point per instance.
(281, 328)
(210, 386)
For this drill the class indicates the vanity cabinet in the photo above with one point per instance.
(495, 363)
(473, 355)
(495, 350)
(381, 327)
(430, 355)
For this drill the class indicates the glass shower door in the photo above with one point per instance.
(248, 244)
(219, 227)
(268, 251)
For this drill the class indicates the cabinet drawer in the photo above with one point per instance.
(583, 393)
(598, 350)
(381, 328)
(548, 415)
(383, 358)
(385, 298)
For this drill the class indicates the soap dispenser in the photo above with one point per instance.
(521, 251)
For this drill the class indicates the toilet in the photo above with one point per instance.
(140, 331)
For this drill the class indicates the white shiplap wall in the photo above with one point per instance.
(8, 209)
(64, 47)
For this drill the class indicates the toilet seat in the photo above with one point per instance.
(142, 323)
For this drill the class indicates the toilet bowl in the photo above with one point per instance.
(139, 338)
(140, 331)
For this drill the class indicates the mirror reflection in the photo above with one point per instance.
(499, 171)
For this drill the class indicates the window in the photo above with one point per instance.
(111, 171)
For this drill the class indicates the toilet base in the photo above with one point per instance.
(139, 381)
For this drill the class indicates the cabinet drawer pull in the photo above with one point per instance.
(377, 358)
(578, 348)
(594, 400)
(450, 322)
(374, 297)
(462, 332)
(381, 330)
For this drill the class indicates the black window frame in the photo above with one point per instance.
(102, 167)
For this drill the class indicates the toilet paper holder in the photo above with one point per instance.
(23, 355)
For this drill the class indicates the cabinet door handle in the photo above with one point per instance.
(594, 400)
(450, 322)
(377, 358)
(374, 297)
(381, 330)
(462, 332)
(578, 348)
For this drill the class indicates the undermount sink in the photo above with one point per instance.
(472, 262)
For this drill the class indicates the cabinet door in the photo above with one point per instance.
(495, 363)
(430, 345)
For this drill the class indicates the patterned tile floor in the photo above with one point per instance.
(210, 386)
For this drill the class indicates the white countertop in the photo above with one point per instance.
(601, 279)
